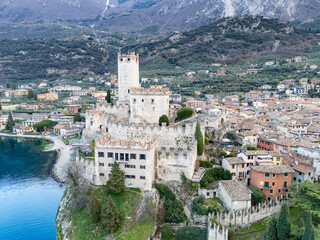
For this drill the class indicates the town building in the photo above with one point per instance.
(235, 195)
(237, 167)
(273, 180)
(73, 108)
(48, 97)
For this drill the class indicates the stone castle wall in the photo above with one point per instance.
(217, 233)
(242, 218)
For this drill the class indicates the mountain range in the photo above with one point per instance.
(168, 15)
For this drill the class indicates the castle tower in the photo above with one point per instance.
(128, 75)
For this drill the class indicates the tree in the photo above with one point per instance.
(0, 106)
(43, 125)
(108, 97)
(231, 135)
(307, 197)
(184, 113)
(199, 138)
(95, 210)
(272, 229)
(115, 182)
(164, 119)
(110, 216)
(257, 196)
(10, 123)
(309, 229)
(283, 223)
(31, 94)
(77, 118)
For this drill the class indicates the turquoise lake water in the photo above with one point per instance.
(29, 197)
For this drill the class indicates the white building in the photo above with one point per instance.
(135, 158)
(303, 173)
(234, 195)
(237, 167)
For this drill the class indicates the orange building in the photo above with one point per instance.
(274, 180)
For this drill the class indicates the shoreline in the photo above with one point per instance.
(59, 166)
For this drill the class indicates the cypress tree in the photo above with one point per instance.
(95, 210)
(272, 229)
(0, 107)
(283, 223)
(199, 138)
(110, 216)
(108, 97)
(115, 182)
(10, 123)
(309, 229)
(164, 119)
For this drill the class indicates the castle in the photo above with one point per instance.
(128, 132)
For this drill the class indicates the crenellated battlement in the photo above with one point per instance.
(245, 217)
(107, 142)
(215, 232)
(150, 91)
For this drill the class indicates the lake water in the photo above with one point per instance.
(29, 197)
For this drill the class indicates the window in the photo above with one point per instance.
(271, 190)
(279, 190)
(130, 176)
(286, 174)
(142, 177)
(110, 155)
(242, 165)
(130, 166)
(152, 101)
(117, 158)
(110, 164)
(121, 156)
(134, 100)
(274, 175)
(267, 174)
(101, 174)
(273, 184)
(232, 166)
(142, 100)
(100, 154)
(142, 157)
(101, 164)
(133, 156)
(294, 179)
(127, 157)
(142, 167)
(250, 157)
(278, 158)
(266, 184)
(128, 90)
(285, 184)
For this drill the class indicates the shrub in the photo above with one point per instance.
(205, 164)
(231, 135)
(215, 174)
(174, 209)
(206, 139)
(197, 206)
(164, 119)
(167, 232)
(184, 113)
(252, 148)
(191, 233)
(257, 195)
(165, 192)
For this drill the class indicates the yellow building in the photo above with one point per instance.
(282, 87)
(48, 97)
(303, 81)
(20, 92)
(276, 158)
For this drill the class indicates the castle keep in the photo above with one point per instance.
(127, 132)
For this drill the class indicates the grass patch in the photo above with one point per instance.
(214, 202)
(143, 230)
(255, 232)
